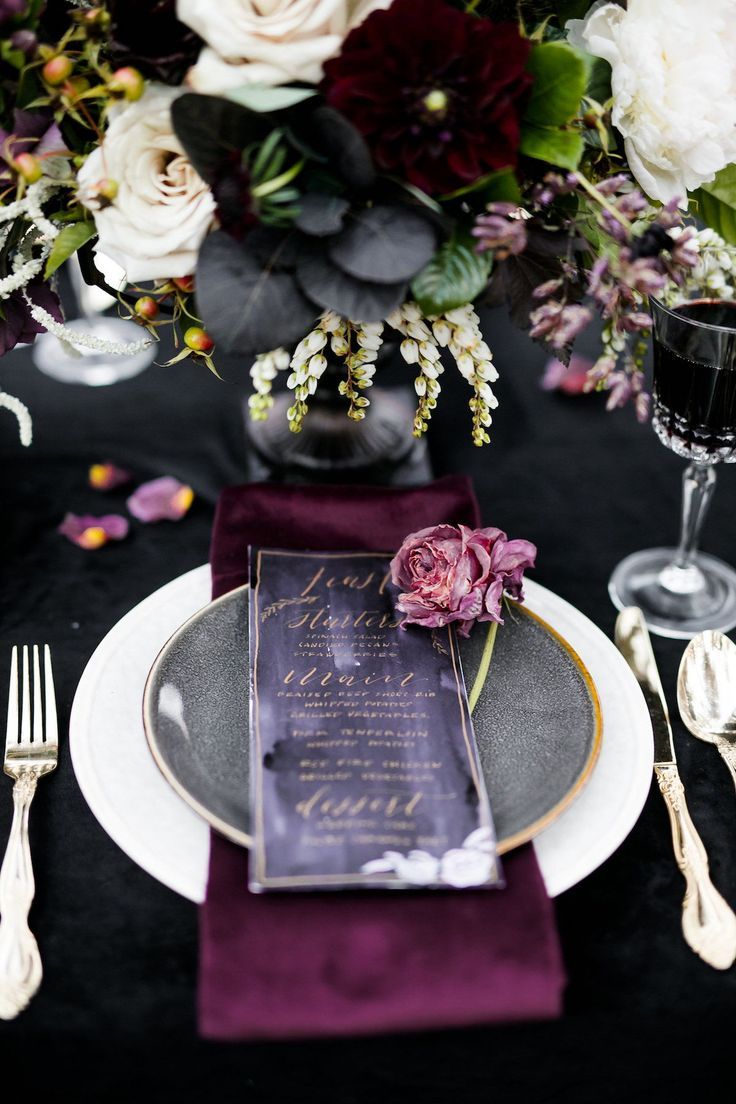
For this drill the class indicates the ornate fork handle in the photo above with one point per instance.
(728, 754)
(20, 961)
(708, 924)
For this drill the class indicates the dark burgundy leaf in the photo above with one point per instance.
(333, 289)
(214, 131)
(384, 244)
(248, 306)
(320, 214)
(323, 132)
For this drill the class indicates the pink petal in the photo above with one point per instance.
(164, 499)
(89, 532)
(570, 380)
(107, 476)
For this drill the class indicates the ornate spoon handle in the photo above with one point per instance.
(728, 754)
(20, 961)
(708, 924)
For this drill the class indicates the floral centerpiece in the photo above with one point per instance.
(292, 180)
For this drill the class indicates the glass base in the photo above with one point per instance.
(676, 602)
(90, 367)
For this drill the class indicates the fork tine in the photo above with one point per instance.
(25, 715)
(11, 732)
(52, 728)
(37, 713)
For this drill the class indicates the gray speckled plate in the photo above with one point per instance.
(537, 722)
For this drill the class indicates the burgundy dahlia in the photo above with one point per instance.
(437, 93)
(147, 35)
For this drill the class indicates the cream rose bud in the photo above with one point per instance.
(163, 209)
(673, 77)
(268, 41)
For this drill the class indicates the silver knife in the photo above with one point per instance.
(708, 923)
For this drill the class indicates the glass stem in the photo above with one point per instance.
(698, 484)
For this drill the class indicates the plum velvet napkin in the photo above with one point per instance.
(287, 966)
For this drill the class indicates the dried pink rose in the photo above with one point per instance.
(450, 573)
(163, 499)
(570, 379)
(107, 476)
(91, 532)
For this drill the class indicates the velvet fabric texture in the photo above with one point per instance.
(281, 966)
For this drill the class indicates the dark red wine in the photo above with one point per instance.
(695, 380)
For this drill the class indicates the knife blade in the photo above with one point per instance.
(634, 643)
(708, 923)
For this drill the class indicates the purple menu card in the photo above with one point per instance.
(364, 769)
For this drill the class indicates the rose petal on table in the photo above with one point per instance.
(163, 499)
(570, 379)
(107, 476)
(89, 532)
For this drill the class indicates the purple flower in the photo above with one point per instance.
(17, 325)
(552, 186)
(91, 532)
(643, 274)
(453, 574)
(559, 324)
(612, 183)
(164, 499)
(32, 132)
(500, 231)
(9, 9)
(634, 321)
(684, 248)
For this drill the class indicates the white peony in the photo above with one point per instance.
(268, 41)
(674, 86)
(163, 209)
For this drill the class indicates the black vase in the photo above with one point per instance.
(332, 448)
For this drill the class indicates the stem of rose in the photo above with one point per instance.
(485, 663)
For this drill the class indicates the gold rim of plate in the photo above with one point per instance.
(246, 840)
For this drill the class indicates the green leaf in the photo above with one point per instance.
(454, 276)
(563, 148)
(599, 80)
(560, 75)
(67, 242)
(263, 97)
(499, 185)
(717, 203)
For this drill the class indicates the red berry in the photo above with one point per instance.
(146, 307)
(29, 167)
(198, 339)
(127, 82)
(57, 69)
(184, 283)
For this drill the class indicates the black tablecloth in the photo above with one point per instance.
(114, 1020)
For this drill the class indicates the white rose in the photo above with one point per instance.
(674, 87)
(163, 209)
(268, 41)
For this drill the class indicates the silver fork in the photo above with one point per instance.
(31, 750)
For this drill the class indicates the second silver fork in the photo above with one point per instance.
(31, 750)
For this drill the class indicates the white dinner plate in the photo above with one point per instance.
(162, 833)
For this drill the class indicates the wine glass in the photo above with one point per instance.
(80, 364)
(682, 591)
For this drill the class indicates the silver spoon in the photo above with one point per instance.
(706, 692)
